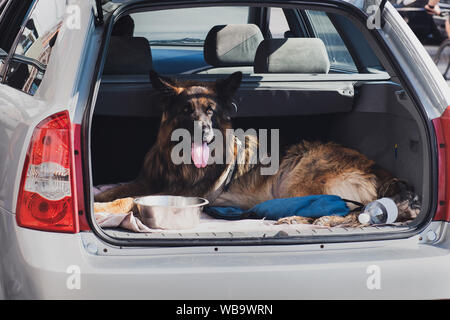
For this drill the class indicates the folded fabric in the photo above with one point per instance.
(314, 206)
(121, 220)
(128, 222)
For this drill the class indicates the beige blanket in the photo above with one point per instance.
(118, 214)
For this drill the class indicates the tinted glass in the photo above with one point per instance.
(278, 24)
(187, 27)
(176, 36)
(324, 29)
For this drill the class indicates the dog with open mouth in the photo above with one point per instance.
(307, 168)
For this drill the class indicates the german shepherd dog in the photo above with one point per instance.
(307, 168)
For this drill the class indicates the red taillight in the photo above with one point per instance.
(46, 197)
(442, 131)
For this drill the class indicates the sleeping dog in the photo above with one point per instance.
(307, 168)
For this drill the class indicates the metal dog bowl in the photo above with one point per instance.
(170, 212)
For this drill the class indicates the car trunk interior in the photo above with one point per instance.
(364, 109)
(369, 116)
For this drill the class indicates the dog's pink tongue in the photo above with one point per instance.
(200, 154)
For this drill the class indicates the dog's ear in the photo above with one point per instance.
(229, 86)
(164, 84)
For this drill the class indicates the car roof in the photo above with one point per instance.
(361, 4)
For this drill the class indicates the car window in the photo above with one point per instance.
(35, 44)
(278, 25)
(176, 36)
(324, 29)
(187, 27)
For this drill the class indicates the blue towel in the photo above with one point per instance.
(314, 206)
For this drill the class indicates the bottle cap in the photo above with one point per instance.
(391, 209)
(364, 218)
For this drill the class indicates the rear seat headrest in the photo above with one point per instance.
(292, 55)
(232, 45)
(128, 55)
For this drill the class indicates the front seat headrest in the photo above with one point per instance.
(128, 55)
(232, 45)
(124, 27)
(292, 55)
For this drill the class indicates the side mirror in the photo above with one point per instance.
(30, 61)
(24, 59)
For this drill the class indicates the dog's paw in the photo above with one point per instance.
(124, 205)
(295, 220)
(327, 221)
(333, 221)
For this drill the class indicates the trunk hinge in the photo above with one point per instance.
(98, 12)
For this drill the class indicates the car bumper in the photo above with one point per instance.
(45, 265)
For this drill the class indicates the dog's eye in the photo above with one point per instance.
(187, 109)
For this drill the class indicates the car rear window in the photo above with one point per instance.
(338, 53)
(177, 37)
(187, 27)
(278, 24)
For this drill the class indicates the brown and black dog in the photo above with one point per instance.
(307, 168)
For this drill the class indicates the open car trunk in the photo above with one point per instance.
(368, 113)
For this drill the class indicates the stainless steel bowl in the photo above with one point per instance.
(170, 212)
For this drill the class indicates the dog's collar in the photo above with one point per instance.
(232, 167)
(235, 107)
(225, 180)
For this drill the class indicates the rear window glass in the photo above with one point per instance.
(324, 29)
(278, 24)
(187, 27)
(177, 37)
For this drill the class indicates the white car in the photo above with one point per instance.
(77, 111)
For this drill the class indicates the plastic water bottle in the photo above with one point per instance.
(380, 211)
